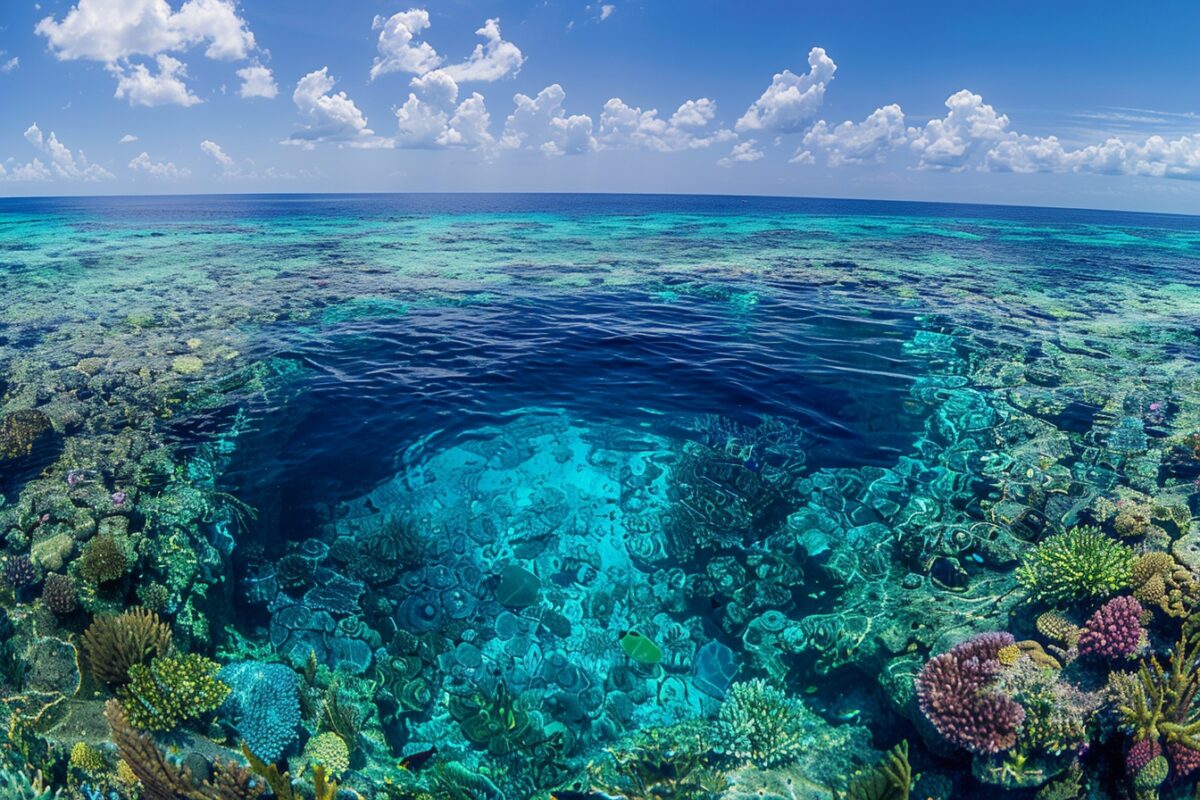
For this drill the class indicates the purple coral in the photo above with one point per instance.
(1114, 631)
(1184, 760)
(1141, 753)
(953, 692)
(18, 571)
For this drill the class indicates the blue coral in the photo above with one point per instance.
(264, 706)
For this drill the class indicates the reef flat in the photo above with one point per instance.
(507, 497)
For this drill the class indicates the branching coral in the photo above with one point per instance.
(114, 645)
(1159, 701)
(264, 706)
(160, 779)
(953, 691)
(673, 762)
(1080, 563)
(759, 724)
(1114, 631)
(170, 690)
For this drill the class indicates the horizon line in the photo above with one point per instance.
(715, 195)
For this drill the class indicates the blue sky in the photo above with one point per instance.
(1065, 103)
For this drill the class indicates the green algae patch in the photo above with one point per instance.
(187, 365)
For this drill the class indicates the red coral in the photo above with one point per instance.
(953, 693)
(1114, 631)
(1184, 760)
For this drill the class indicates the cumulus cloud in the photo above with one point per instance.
(398, 50)
(432, 117)
(331, 117)
(490, 61)
(856, 143)
(64, 163)
(127, 138)
(143, 88)
(791, 100)
(1156, 157)
(606, 11)
(743, 152)
(115, 31)
(542, 123)
(622, 125)
(950, 142)
(108, 30)
(10, 65)
(257, 81)
(163, 170)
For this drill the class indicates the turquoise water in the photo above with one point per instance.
(593, 495)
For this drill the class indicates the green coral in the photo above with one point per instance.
(328, 750)
(1152, 775)
(1075, 565)
(103, 560)
(170, 690)
(759, 724)
(890, 779)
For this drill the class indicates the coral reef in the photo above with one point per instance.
(171, 690)
(263, 706)
(1078, 564)
(115, 644)
(1114, 630)
(759, 724)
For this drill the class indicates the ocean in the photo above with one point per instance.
(594, 496)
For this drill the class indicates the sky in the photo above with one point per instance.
(1077, 104)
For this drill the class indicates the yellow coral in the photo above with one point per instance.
(1058, 628)
(87, 759)
(125, 774)
(1009, 655)
(329, 750)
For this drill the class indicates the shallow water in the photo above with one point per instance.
(457, 449)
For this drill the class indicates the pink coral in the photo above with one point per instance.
(1114, 631)
(1184, 760)
(953, 693)
(1141, 753)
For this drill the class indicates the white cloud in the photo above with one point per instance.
(743, 152)
(950, 142)
(1156, 157)
(540, 122)
(257, 81)
(432, 117)
(856, 143)
(115, 31)
(229, 167)
(606, 11)
(108, 30)
(397, 51)
(622, 125)
(491, 61)
(127, 138)
(332, 117)
(146, 89)
(164, 170)
(791, 100)
(63, 164)
(10, 65)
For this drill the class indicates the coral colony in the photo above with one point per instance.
(996, 595)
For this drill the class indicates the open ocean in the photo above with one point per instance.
(486, 497)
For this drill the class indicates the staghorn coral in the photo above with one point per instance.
(171, 690)
(58, 593)
(1081, 563)
(114, 645)
(953, 693)
(160, 779)
(1159, 701)
(669, 762)
(759, 724)
(103, 560)
(1114, 630)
